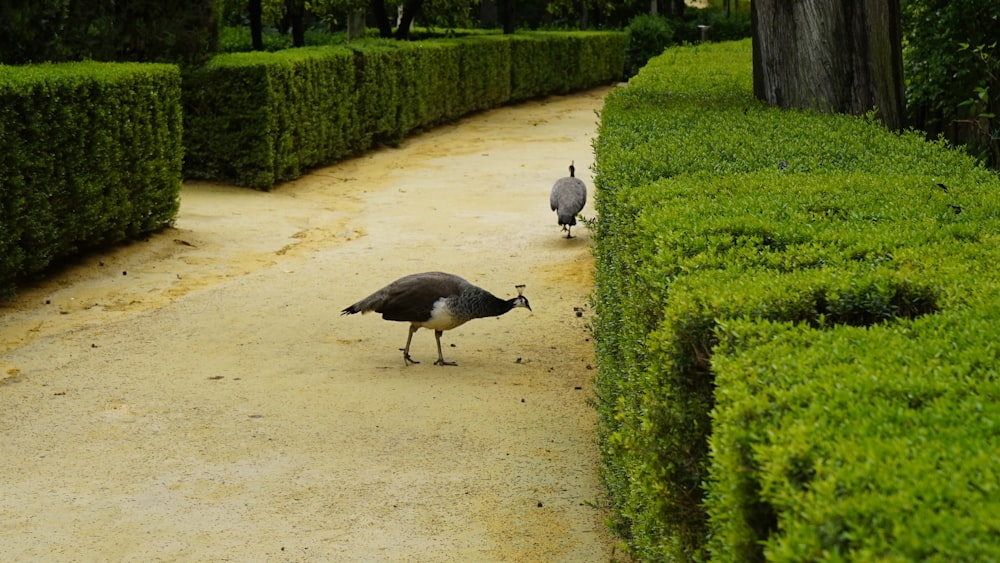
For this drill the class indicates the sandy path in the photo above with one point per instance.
(198, 397)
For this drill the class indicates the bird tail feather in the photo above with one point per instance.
(567, 219)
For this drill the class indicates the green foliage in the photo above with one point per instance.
(940, 74)
(183, 31)
(721, 27)
(880, 454)
(951, 63)
(277, 115)
(237, 39)
(721, 219)
(90, 154)
(561, 62)
(648, 36)
(283, 113)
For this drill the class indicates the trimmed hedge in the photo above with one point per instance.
(257, 119)
(261, 118)
(720, 219)
(885, 454)
(90, 154)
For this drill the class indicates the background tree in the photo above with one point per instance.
(832, 55)
(180, 31)
(508, 15)
(294, 16)
(256, 11)
(410, 10)
(581, 13)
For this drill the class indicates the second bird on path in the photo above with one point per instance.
(568, 197)
(436, 301)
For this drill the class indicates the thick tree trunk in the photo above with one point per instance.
(508, 16)
(489, 15)
(381, 16)
(295, 11)
(410, 10)
(256, 11)
(832, 55)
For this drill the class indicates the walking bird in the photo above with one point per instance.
(436, 301)
(568, 197)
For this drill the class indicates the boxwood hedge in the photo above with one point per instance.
(257, 119)
(760, 274)
(90, 154)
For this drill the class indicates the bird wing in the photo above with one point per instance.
(411, 298)
(568, 195)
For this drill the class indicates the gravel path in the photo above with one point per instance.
(197, 396)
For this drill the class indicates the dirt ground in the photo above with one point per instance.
(197, 396)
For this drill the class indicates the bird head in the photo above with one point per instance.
(520, 300)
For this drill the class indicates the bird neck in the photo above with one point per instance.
(485, 304)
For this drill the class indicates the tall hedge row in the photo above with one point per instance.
(257, 119)
(776, 290)
(90, 154)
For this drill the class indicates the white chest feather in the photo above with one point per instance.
(441, 318)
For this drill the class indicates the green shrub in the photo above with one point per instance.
(648, 36)
(734, 27)
(238, 40)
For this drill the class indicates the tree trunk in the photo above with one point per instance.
(830, 55)
(381, 18)
(508, 15)
(296, 13)
(410, 10)
(256, 12)
(489, 15)
(355, 25)
(675, 8)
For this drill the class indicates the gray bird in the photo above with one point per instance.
(436, 301)
(568, 197)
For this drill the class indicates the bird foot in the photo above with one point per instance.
(407, 360)
(441, 362)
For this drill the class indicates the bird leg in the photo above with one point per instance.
(407, 360)
(569, 232)
(440, 361)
